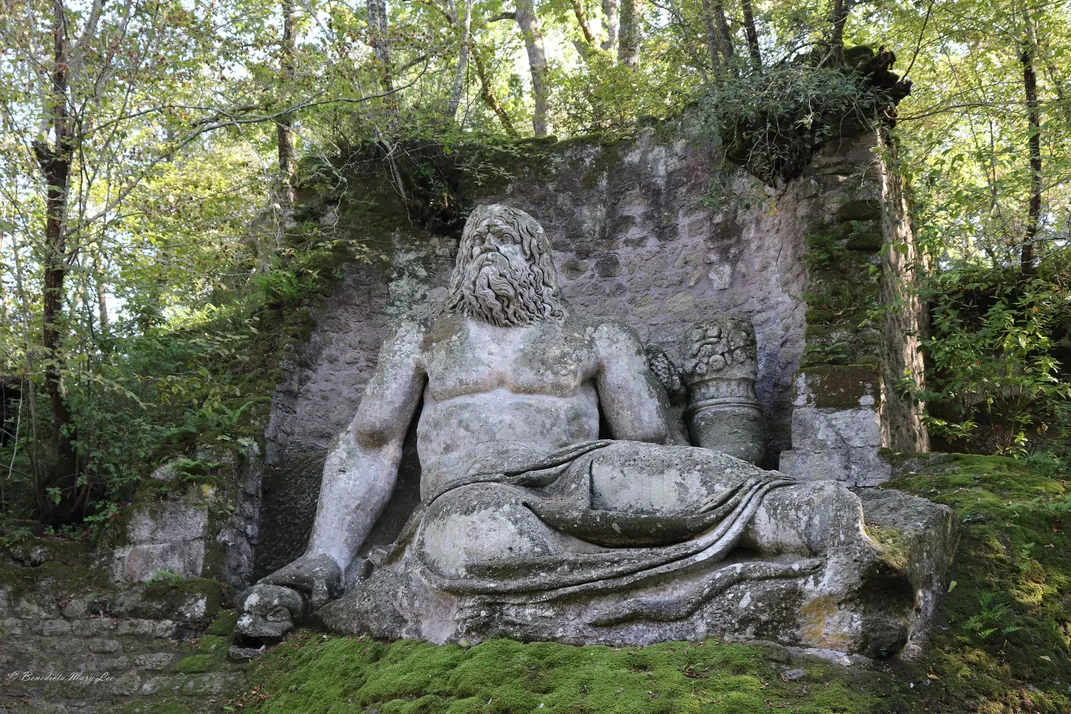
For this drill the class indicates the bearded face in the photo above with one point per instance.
(504, 275)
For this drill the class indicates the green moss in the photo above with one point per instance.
(1005, 629)
(176, 593)
(312, 673)
(865, 242)
(859, 210)
(196, 664)
(224, 624)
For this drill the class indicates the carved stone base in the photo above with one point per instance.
(847, 600)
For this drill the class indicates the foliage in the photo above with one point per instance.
(772, 122)
(997, 384)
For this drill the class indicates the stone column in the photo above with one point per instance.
(864, 322)
(720, 367)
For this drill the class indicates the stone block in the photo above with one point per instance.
(94, 626)
(75, 608)
(156, 661)
(168, 522)
(831, 429)
(104, 646)
(136, 627)
(156, 685)
(139, 563)
(11, 627)
(52, 628)
(838, 387)
(852, 466)
(28, 608)
(125, 685)
(923, 536)
(163, 629)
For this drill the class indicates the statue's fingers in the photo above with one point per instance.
(320, 594)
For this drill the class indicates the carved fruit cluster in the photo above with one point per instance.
(716, 345)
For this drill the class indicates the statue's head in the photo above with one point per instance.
(504, 273)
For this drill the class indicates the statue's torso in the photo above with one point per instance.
(498, 393)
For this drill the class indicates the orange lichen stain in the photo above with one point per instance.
(818, 615)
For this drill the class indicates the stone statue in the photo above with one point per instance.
(531, 526)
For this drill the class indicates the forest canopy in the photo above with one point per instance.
(150, 150)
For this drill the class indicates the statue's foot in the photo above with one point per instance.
(282, 600)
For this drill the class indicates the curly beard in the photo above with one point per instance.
(501, 293)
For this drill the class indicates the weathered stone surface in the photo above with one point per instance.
(156, 661)
(839, 444)
(168, 522)
(244, 654)
(531, 527)
(921, 536)
(140, 563)
(270, 611)
(719, 368)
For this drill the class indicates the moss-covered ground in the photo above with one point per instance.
(1001, 644)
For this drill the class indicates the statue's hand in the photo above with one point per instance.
(318, 577)
(277, 603)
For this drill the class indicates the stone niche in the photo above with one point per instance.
(653, 231)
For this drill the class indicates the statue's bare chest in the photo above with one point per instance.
(469, 357)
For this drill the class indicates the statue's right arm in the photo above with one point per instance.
(362, 465)
(359, 476)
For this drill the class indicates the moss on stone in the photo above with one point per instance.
(1003, 641)
(224, 624)
(859, 210)
(182, 592)
(865, 242)
(196, 664)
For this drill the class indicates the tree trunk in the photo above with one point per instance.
(1033, 112)
(55, 164)
(101, 292)
(609, 8)
(752, 34)
(488, 94)
(537, 62)
(458, 89)
(836, 39)
(628, 42)
(713, 42)
(582, 18)
(725, 35)
(377, 25)
(283, 126)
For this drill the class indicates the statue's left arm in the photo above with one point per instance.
(628, 398)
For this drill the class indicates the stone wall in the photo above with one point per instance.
(864, 323)
(73, 642)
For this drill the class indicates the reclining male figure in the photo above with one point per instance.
(519, 497)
